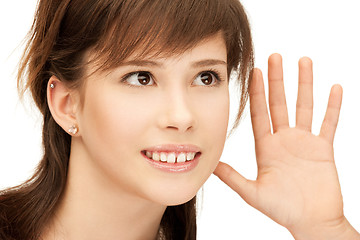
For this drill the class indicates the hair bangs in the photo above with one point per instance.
(147, 29)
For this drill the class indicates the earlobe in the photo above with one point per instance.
(62, 105)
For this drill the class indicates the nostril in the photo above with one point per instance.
(179, 128)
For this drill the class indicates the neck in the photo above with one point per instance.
(95, 208)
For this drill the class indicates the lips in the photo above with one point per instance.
(173, 158)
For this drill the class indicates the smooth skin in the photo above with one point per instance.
(297, 185)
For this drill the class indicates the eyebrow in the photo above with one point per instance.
(208, 62)
(196, 64)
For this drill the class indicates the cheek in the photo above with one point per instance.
(112, 121)
(214, 116)
(120, 118)
(112, 129)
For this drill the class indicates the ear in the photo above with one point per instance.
(63, 105)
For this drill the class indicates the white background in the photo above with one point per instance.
(326, 31)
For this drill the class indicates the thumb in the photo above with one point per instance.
(244, 187)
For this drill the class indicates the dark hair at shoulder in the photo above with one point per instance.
(62, 32)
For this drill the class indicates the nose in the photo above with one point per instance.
(177, 112)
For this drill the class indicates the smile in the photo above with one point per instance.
(173, 158)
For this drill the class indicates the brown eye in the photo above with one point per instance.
(144, 78)
(139, 79)
(205, 79)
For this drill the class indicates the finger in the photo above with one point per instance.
(331, 118)
(245, 188)
(304, 104)
(258, 107)
(277, 100)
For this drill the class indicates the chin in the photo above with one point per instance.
(174, 196)
(178, 201)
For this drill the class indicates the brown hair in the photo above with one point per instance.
(62, 32)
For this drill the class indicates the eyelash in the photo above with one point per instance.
(214, 72)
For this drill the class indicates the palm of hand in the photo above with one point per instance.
(297, 173)
(297, 184)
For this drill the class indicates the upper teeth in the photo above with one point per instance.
(170, 157)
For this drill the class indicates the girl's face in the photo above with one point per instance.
(157, 108)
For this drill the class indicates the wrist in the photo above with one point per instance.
(341, 230)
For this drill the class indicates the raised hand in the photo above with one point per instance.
(297, 184)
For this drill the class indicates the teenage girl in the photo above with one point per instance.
(135, 103)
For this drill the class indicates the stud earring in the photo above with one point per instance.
(73, 129)
(52, 85)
